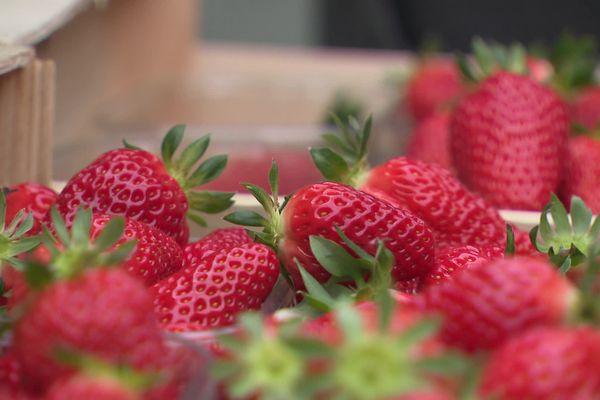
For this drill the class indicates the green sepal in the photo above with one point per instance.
(510, 241)
(36, 275)
(246, 218)
(489, 57)
(574, 59)
(210, 202)
(207, 171)
(13, 239)
(197, 219)
(130, 146)
(332, 166)
(170, 143)
(315, 295)
(192, 154)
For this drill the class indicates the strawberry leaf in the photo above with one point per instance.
(171, 142)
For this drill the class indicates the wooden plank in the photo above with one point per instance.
(13, 57)
(30, 21)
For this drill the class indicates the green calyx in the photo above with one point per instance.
(344, 106)
(344, 269)
(567, 242)
(490, 57)
(121, 375)
(272, 224)
(13, 239)
(574, 59)
(189, 177)
(73, 251)
(345, 160)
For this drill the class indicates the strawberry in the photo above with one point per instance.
(32, 197)
(456, 216)
(161, 193)
(550, 363)
(539, 69)
(453, 259)
(489, 302)
(219, 239)
(585, 108)
(101, 311)
(320, 209)
(582, 175)
(211, 291)
(508, 137)
(90, 388)
(435, 84)
(156, 255)
(429, 142)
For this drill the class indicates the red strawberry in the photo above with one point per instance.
(456, 216)
(539, 69)
(90, 388)
(156, 255)
(82, 307)
(453, 259)
(429, 142)
(318, 209)
(211, 292)
(508, 141)
(488, 303)
(33, 198)
(10, 371)
(104, 312)
(435, 84)
(585, 109)
(582, 172)
(136, 184)
(219, 239)
(559, 363)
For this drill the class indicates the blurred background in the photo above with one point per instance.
(260, 75)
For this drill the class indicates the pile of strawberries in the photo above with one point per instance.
(404, 281)
(513, 128)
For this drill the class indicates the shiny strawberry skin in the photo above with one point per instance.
(429, 142)
(548, 363)
(104, 312)
(435, 84)
(582, 172)
(488, 303)
(453, 259)
(132, 183)
(83, 387)
(316, 210)
(211, 292)
(34, 198)
(585, 109)
(156, 255)
(508, 141)
(455, 215)
(219, 239)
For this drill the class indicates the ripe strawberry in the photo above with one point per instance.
(219, 239)
(453, 259)
(456, 216)
(429, 142)
(161, 193)
(582, 172)
(90, 388)
(214, 290)
(433, 86)
(585, 108)
(507, 140)
(539, 69)
(546, 363)
(10, 371)
(156, 255)
(34, 198)
(488, 303)
(318, 209)
(104, 312)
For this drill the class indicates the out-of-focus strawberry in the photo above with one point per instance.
(546, 363)
(429, 142)
(435, 84)
(581, 176)
(585, 108)
(508, 137)
(90, 388)
(163, 193)
(32, 197)
(488, 303)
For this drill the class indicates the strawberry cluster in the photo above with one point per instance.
(394, 281)
(516, 128)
